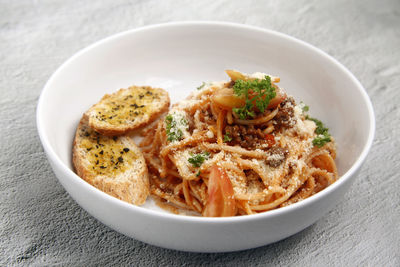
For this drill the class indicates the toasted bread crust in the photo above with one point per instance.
(128, 182)
(128, 109)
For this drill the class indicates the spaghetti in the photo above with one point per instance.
(206, 157)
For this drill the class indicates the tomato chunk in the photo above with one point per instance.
(270, 139)
(221, 200)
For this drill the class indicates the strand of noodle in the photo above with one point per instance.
(163, 171)
(233, 167)
(188, 196)
(235, 116)
(151, 142)
(178, 189)
(331, 148)
(147, 149)
(289, 192)
(206, 91)
(304, 192)
(186, 193)
(146, 141)
(282, 141)
(198, 124)
(212, 129)
(152, 161)
(197, 104)
(235, 149)
(263, 171)
(249, 197)
(229, 117)
(170, 198)
(203, 191)
(269, 129)
(220, 125)
(166, 185)
(164, 163)
(148, 130)
(173, 173)
(261, 120)
(173, 180)
(245, 207)
(266, 195)
(164, 158)
(163, 185)
(157, 135)
(196, 205)
(210, 162)
(183, 169)
(176, 145)
(235, 174)
(322, 179)
(323, 160)
(164, 205)
(240, 211)
(316, 152)
(196, 202)
(151, 134)
(214, 110)
(195, 191)
(199, 137)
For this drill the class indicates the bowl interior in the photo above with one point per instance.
(179, 57)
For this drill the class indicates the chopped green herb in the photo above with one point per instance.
(245, 111)
(260, 92)
(227, 137)
(197, 159)
(321, 129)
(321, 140)
(201, 86)
(198, 174)
(304, 107)
(323, 133)
(174, 126)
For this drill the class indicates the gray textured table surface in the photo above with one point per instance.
(41, 225)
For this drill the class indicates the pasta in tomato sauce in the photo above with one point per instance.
(236, 148)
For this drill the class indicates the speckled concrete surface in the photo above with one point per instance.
(41, 225)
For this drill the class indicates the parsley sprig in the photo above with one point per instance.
(321, 140)
(227, 137)
(304, 107)
(323, 136)
(201, 86)
(197, 159)
(260, 92)
(174, 133)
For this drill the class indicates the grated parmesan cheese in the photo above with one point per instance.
(180, 117)
(304, 128)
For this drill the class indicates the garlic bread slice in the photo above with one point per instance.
(115, 165)
(128, 109)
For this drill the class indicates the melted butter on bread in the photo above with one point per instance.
(128, 109)
(106, 155)
(113, 164)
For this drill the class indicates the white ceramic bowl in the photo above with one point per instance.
(178, 57)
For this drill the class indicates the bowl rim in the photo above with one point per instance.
(198, 219)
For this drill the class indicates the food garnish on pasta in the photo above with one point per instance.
(236, 148)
